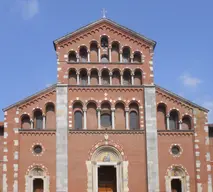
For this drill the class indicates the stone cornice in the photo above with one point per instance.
(113, 132)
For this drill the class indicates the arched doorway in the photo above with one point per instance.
(107, 172)
(37, 180)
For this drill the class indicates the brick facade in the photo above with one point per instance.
(105, 69)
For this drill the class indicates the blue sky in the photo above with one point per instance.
(183, 31)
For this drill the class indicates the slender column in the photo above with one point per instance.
(44, 121)
(31, 123)
(121, 59)
(110, 54)
(167, 122)
(88, 79)
(78, 81)
(77, 57)
(85, 118)
(99, 118)
(99, 79)
(127, 118)
(113, 118)
(131, 59)
(132, 75)
(121, 79)
(180, 125)
(110, 78)
(99, 54)
(88, 56)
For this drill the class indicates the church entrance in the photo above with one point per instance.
(176, 185)
(107, 179)
(38, 185)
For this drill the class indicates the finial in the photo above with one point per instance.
(104, 11)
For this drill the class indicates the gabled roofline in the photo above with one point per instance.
(110, 22)
(181, 98)
(30, 97)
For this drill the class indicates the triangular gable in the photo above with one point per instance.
(31, 97)
(104, 20)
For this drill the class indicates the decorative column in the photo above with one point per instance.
(85, 118)
(180, 125)
(167, 121)
(78, 79)
(44, 121)
(110, 78)
(113, 118)
(151, 138)
(132, 75)
(99, 118)
(31, 123)
(110, 54)
(131, 59)
(88, 79)
(99, 79)
(121, 79)
(88, 56)
(77, 56)
(121, 59)
(62, 138)
(127, 118)
(99, 54)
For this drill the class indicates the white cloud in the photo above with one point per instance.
(190, 81)
(27, 8)
(209, 105)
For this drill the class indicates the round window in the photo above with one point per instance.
(37, 149)
(175, 150)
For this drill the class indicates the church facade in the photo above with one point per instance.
(105, 126)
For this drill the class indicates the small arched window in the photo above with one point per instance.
(104, 42)
(186, 123)
(126, 55)
(72, 57)
(83, 54)
(105, 77)
(104, 58)
(83, 77)
(25, 122)
(38, 119)
(134, 121)
(137, 57)
(106, 120)
(127, 77)
(78, 120)
(50, 116)
(173, 120)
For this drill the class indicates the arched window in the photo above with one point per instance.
(120, 116)
(72, 57)
(127, 77)
(92, 120)
(105, 77)
(138, 77)
(161, 116)
(72, 77)
(104, 58)
(116, 78)
(94, 77)
(134, 116)
(94, 51)
(186, 123)
(106, 120)
(126, 55)
(78, 115)
(83, 54)
(78, 120)
(115, 52)
(50, 116)
(137, 57)
(25, 122)
(173, 120)
(83, 77)
(104, 42)
(38, 119)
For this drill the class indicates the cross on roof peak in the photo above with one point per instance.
(104, 11)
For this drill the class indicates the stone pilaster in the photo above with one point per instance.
(151, 139)
(61, 138)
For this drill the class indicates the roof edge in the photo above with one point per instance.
(29, 97)
(182, 98)
(68, 35)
